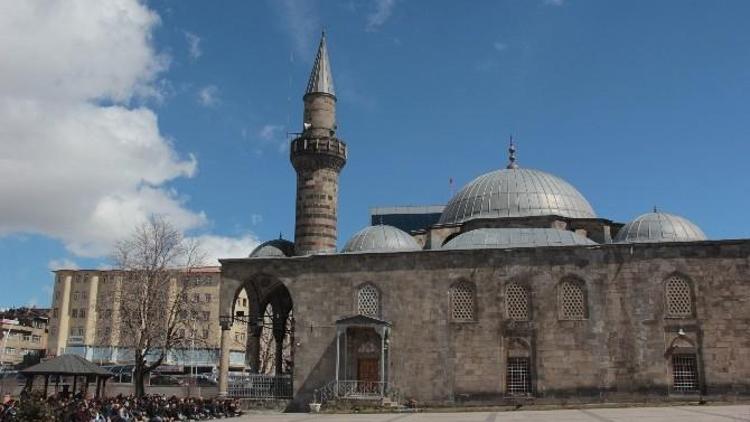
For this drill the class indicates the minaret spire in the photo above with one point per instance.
(512, 155)
(321, 78)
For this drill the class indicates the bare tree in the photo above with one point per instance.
(267, 357)
(154, 306)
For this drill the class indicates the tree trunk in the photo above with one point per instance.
(139, 376)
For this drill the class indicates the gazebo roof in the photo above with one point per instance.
(362, 320)
(66, 365)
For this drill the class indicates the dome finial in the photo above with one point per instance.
(512, 155)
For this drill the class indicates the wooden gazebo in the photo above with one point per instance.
(68, 366)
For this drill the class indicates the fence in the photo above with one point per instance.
(257, 386)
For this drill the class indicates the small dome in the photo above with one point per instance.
(381, 238)
(659, 227)
(516, 192)
(275, 247)
(516, 238)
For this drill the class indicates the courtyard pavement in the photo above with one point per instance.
(638, 414)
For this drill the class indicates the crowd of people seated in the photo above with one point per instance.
(149, 408)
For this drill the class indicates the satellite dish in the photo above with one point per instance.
(306, 125)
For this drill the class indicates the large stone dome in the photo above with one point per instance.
(273, 248)
(659, 227)
(516, 238)
(381, 238)
(516, 192)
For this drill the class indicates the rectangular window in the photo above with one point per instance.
(27, 337)
(685, 373)
(244, 302)
(74, 313)
(36, 339)
(196, 298)
(75, 295)
(81, 313)
(518, 376)
(10, 351)
(205, 334)
(81, 331)
(206, 315)
(84, 295)
(208, 297)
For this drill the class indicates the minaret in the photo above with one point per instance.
(318, 157)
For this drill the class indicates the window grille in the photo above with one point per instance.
(367, 301)
(572, 300)
(518, 376)
(685, 373)
(517, 302)
(679, 298)
(462, 302)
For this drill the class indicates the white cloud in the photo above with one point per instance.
(194, 45)
(300, 19)
(499, 46)
(70, 167)
(208, 96)
(217, 247)
(383, 11)
(272, 135)
(62, 264)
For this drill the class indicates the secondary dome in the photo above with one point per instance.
(381, 238)
(275, 247)
(516, 238)
(659, 227)
(516, 192)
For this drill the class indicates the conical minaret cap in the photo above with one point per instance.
(321, 79)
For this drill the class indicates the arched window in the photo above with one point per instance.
(462, 302)
(679, 298)
(571, 300)
(517, 303)
(368, 301)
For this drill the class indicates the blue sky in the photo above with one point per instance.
(182, 108)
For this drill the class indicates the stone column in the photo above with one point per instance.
(226, 325)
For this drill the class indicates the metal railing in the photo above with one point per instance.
(258, 386)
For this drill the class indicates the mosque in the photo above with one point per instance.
(514, 292)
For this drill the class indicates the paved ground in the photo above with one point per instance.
(638, 414)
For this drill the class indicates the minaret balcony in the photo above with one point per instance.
(333, 147)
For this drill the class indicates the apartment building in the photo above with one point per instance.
(23, 331)
(84, 319)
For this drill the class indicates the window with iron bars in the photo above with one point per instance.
(684, 373)
(518, 376)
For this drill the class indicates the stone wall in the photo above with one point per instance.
(621, 351)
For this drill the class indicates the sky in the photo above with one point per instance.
(111, 111)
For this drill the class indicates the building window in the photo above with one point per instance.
(74, 313)
(518, 376)
(205, 334)
(462, 302)
(84, 295)
(244, 302)
(10, 351)
(75, 295)
(206, 315)
(572, 300)
(368, 301)
(36, 339)
(679, 298)
(27, 337)
(208, 297)
(685, 373)
(196, 298)
(517, 302)
(81, 313)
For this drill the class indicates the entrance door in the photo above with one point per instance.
(368, 375)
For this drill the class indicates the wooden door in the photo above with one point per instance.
(368, 375)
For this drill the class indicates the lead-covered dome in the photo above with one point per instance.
(271, 248)
(516, 192)
(381, 238)
(659, 227)
(516, 238)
